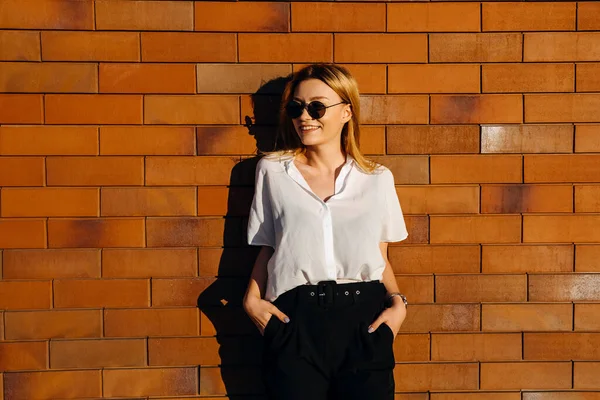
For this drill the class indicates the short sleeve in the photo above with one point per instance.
(261, 230)
(393, 225)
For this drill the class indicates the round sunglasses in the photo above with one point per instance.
(316, 109)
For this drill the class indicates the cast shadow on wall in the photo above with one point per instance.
(240, 344)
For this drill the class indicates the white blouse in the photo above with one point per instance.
(318, 241)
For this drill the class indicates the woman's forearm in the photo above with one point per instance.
(258, 278)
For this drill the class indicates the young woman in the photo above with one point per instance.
(322, 290)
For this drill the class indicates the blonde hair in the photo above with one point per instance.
(343, 83)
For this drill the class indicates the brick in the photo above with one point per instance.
(53, 384)
(476, 346)
(412, 347)
(90, 46)
(214, 200)
(561, 46)
(95, 171)
(432, 139)
(147, 78)
(418, 288)
(505, 199)
(406, 169)
(247, 378)
(27, 325)
(482, 288)
(96, 232)
(261, 111)
(237, 78)
(561, 228)
(48, 77)
(19, 46)
(150, 382)
(225, 140)
(242, 17)
(147, 140)
(520, 78)
(431, 199)
(526, 375)
(587, 16)
(50, 202)
(47, 14)
(411, 396)
(586, 78)
(526, 317)
(587, 258)
(50, 264)
(147, 263)
(564, 287)
(418, 229)
(22, 233)
(191, 110)
(372, 140)
(145, 15)
(433, 78)
(441, 317)
(189, 170)
(380, 48)
(562, 168)
(48, 140)
(93, 109)
(586, 317)
(148, 201)
(479, 395)
(558, 395)
(585, 375)
(97, 353)
(527, 139)
(561, 346)
(433, 17)
(587, 138)
(476, 169)
(15, 356)
(222, 262)
(151, 322)
(179, 292)
(181, 232)
(332, 17)
(528, 16)
(188, 47)
(89, 293)
(394, 109)
(475, 47)
(446, 376)
(19, 295)
(295, 47)
(562, 107)
(526, 258)
(21, 171)
(21, 109)
(183, 351)
(434, 259)
(476, 109)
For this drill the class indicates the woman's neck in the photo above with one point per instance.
(324, 158)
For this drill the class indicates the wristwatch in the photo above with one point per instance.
(392, 295)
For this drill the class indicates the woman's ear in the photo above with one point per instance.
(347, 113)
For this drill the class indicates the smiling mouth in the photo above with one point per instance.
(306, 129)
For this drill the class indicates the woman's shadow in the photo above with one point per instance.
(240, 344)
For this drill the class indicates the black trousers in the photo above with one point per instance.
(325, 351)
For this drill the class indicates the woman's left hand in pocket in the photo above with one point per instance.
(392, 316)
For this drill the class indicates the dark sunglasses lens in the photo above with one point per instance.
(316, 109)
(294, 109)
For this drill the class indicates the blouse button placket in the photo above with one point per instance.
(328, 242)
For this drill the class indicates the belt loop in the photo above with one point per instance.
(326, 292)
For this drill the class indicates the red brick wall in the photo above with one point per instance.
(126, 129)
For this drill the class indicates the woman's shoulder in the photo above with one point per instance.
(272, 162)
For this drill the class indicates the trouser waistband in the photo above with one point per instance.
(331, 294)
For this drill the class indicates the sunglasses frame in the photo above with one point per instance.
(314, 114)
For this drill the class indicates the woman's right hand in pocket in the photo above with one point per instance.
(261, 311)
